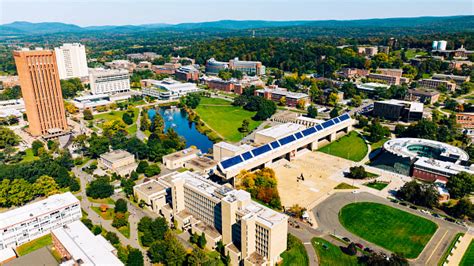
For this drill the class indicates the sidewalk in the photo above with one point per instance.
(459, 249)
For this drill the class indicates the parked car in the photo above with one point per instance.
(359, 245)
(450, 219)
(369, 250)
(403, 204)
(346, 239)
(413, 207)
(436, 215)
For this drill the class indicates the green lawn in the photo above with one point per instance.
(34, 245)
(295, 254)
(102, 201)
(117, 115)
(376, 185)
(468, 258)
(398, 231)
(411, 53)
(125, 230)
(107, 215)
(329, 254)
(378, 144)
(29, 156)
(351, 147)
(224, 118)
(345, 186)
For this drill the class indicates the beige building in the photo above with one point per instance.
(436, 83)
(41, 92)
(118, 161)
(252, 233)
(177, 160)
(224, 150)
(279, 131)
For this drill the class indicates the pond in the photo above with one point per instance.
(178, 120)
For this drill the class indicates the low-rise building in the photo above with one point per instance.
(276, 94)
(354, 72)
(34, 220)
(394, 72)
(368, 50)
(459, 64)
(423, 95)
(459, 80)
(396, 109)
(233, 85)
(143, 65)
(430, 170)
(178, 159)
(91, 101)
(202, 165)
(276, 132)
(118, 161)
(9, 81)
(121, 64)
(15, 106)
(436, 84)
(167, 68)
(251, 68)
(168, 89)
(387, 79)
(222, 150)
(213, 66)
(465, 120)
(109, 81)
(77, 245)
(248, 230)
(372, 87)
(187, 73)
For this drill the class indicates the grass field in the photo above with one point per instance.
(102, 201)
(29, 156)
(345, 186)
(117, 115)
(378, 144)
(398, 231)
(351, 147)
(224, 118)
(107, 215)
(125, 230)
(329, 254)
(296, 254)
(376, 185)
(468, 258)
(34, 245)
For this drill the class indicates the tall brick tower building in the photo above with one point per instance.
(39, 80)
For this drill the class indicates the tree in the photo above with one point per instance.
(356, 101)
(98, 145)
(120, 220)
(100, 188)
(111, 127)
(97, 230)
(8, 138)
(87, 223)
(35, 146)
(419, 194)
(197, 257)
(45, 186)
(377, 132)
(312, 111)
(142, 166)
(282, 101)
(169, 251)
(266, 109)
(297, 210)
(112, 238)
(127, 119)
(135, 257)
(121, 206)
(460, 185)
(152, 170)
(333, 99)
(334, 112)
(70, 87)
(357, 172)
(245, 126)
(87, 113)
(191, 100)
(202, 241)
(225, 74)
(424, 129)
(144, 224)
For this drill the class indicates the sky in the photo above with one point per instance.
(135, 12)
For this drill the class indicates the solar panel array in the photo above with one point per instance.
(283, 141)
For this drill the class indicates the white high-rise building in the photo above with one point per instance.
(71, 60)
(24, 224)
(109, 81)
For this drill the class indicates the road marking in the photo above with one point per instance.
(307, 243)
(436, 247)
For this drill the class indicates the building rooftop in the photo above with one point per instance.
(91, 97)
(371, 86)
(284, 92)
(453, 77)
(402, 147)
(281, 130)
(422, 91)
(82, 244)
(115, 155)
(150, 187)
(107, 72)
(182, 154)
(32, 210)
(443, 166)
(201, 163)
(414, 106)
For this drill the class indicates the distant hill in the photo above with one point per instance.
(453, 23)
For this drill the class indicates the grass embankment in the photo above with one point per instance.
(34, 245)
(330, 254)
(351, 147)
(295, 253)
(224, 118)
(396, 230)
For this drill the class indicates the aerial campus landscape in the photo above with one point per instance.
(281, 133)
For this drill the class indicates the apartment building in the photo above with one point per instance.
(436, 83)
(466, 120)
(77, 245)
(251, 233)
(422, 96)
(37, 219)
(387, 79)
(71, 60)
(275, 94)
(354, 72)
(109, 81)
(118, 161)
(459, 80)
(41, 91)
(395, 72)
(167, 89)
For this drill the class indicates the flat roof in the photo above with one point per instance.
(41, 257)
(281, 130)
(202, 163)
(91, 97)
(35, 209)
(82, 244)
(284, 92)
(150, 187)
(400, 146)
(442, 166)
(182, 153)
(414, 106)
(116, 155)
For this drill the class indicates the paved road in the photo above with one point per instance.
(139, 134)
(305, 234)
(326, 214)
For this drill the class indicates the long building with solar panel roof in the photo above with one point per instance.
(286, 147)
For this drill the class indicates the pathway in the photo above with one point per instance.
(460, 248)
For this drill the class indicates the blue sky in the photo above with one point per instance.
(121, 12)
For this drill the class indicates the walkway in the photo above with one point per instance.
(460, 248)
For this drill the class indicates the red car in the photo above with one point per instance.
(359, 245)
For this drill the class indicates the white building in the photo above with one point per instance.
(110, 81)
(91, 101)
(75, 243)
(71, 60)
(37, 219)
(168, 89)
(14, 107)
